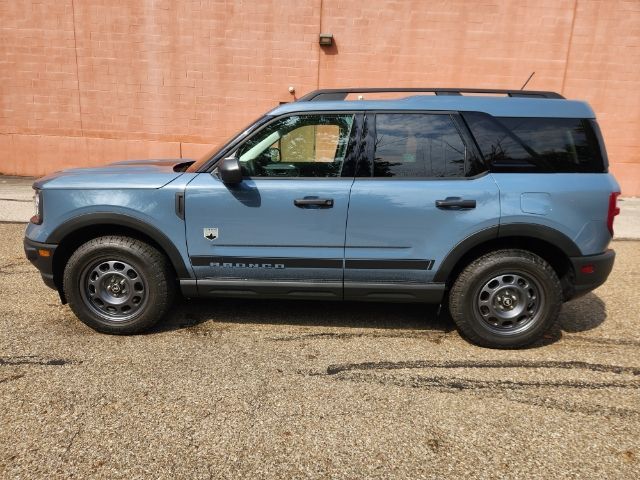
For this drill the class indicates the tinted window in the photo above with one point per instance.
(497, 144)
(418, 145)
(298, 146)
(562, 144)
(536, 144)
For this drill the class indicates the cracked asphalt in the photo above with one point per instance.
(274, 389)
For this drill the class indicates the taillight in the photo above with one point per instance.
(613, 210)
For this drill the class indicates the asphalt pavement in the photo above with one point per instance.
(285, 389)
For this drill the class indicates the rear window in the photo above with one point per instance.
(514, 144)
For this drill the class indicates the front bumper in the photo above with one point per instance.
(41, 255)
(591, 271)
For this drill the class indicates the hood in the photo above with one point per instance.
(126, 174)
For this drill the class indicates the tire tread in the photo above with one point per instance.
(457, 297)
(159, 277)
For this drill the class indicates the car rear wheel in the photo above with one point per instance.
(118, 285)
(506, 299)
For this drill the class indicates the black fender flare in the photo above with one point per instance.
(107, 218)
(541, 232)
(521, 230)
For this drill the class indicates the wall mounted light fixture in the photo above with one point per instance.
(326, 39)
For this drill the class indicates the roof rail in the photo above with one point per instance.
(341, 93)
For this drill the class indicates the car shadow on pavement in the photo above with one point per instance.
(580, 315)
(196, 312)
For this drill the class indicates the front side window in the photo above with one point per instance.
(417, 145)
(203, 160)
(298, 146)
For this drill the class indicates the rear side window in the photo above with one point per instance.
(543, 145)
(417, 145)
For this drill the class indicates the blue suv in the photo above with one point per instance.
(496, 203)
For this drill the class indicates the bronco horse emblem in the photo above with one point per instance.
(210, 233)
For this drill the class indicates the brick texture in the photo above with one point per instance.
(493, 44)
(83, 82)
(604, 68)
(38, 77)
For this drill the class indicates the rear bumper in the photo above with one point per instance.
(600, 267)
(36, 253)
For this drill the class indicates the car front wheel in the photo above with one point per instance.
(118, 285)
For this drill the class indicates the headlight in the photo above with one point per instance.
(37, 207)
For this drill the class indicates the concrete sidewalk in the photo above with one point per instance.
(627, 224)
(16, 199)
(16, 205)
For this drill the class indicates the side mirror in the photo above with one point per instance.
(229, 171)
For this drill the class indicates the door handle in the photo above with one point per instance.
(455, 203)
(313, 202)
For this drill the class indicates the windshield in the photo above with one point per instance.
(235, 138)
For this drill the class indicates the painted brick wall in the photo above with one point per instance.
(84, 82)
(603, 68)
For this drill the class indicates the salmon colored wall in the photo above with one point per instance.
(84, 82)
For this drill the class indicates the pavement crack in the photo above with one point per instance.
(70, 444)
(460, 383)
(9, 268)
(571, 407)
(34, 360)
(80, 423)
(11, 378)
(435, 337)
(510, 390)
(569, 365)
(604, 341)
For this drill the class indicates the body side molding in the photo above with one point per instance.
(394, 292)
(296, 262)
(236, 288)
(367, 291)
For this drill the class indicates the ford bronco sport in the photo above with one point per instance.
(496, 203)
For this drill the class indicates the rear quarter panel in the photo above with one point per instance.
(575, 204)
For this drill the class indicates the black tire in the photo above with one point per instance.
(506, 299)
(118, 285)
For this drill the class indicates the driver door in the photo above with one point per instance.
(281, 231)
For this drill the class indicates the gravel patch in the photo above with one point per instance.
(275, 389)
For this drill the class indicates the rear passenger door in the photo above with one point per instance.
(420, 189)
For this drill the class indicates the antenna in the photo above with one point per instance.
(525, 83)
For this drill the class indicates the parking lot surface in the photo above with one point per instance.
(283, 389)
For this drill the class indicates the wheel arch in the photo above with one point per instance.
(70, 235)
(548, 243)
